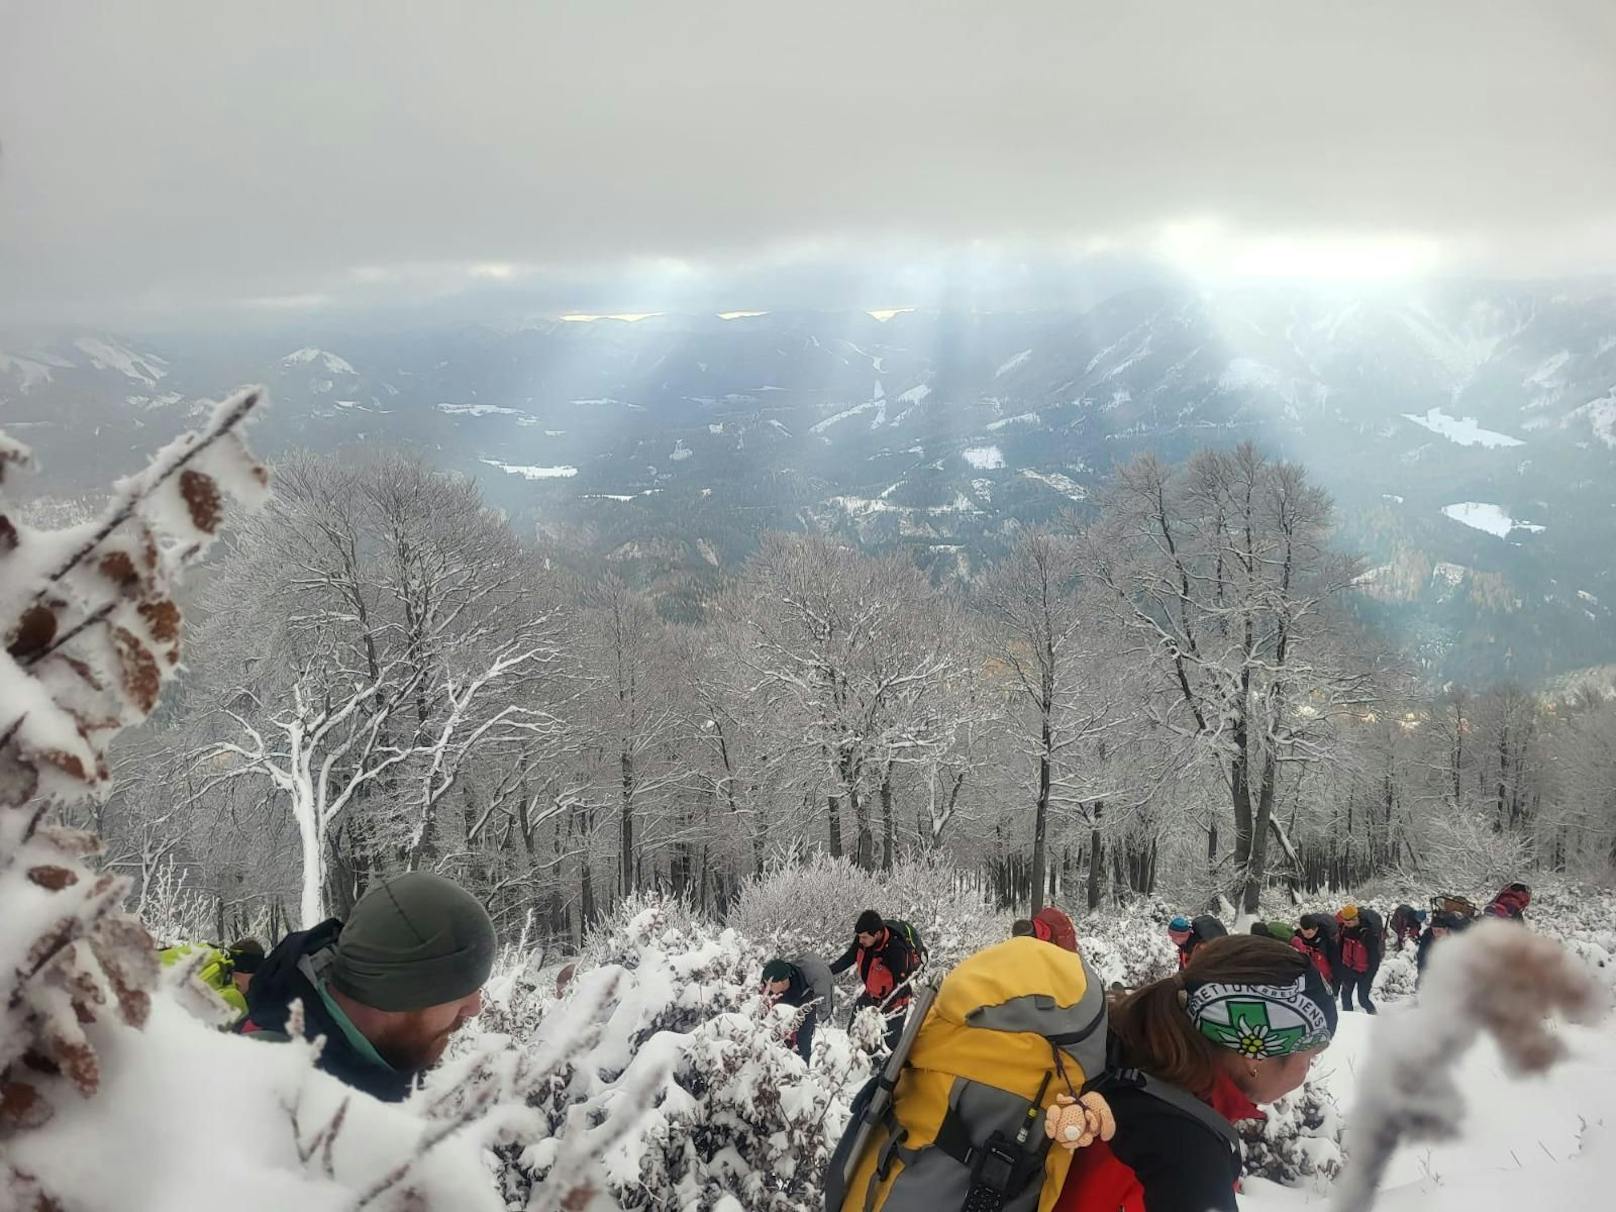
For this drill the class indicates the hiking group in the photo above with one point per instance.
(1020, 1084)
(1017, 1083)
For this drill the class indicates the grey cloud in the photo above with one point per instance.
(171, 155)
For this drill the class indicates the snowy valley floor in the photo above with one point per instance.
(1533, 1143)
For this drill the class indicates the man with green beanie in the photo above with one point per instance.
(805, 984)
(386, 989)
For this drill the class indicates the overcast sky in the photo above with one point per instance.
(165, 158)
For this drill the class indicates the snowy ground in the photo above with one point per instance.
(1527, 1144)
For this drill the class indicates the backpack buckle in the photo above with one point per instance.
(889, 1153)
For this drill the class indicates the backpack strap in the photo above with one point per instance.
(1180, 1100)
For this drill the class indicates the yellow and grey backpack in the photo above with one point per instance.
(955, 1118)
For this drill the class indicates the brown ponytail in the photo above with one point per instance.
(1158, 1036)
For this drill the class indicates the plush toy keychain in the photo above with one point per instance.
(1076, 1123)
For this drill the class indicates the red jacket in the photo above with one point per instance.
(881, 967)
(1160, 1160)
(1316, 954)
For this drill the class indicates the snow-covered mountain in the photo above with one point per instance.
(1468, 433)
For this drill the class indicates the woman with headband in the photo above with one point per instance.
(1192, 1055)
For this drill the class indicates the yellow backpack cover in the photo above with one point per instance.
(955, 1119)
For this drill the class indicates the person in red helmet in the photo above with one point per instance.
(1050, 925)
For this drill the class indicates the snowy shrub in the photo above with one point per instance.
(678, 1091)
(1299, 1144)
(1399, 972)
(1129, 945)
(810, 907)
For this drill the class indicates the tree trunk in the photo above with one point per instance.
(1240, 795)
(311, 836)
(627, 842)
(1096, 856)
(888, 828)
(1258, 865)
(833, 821)
(1040, 824)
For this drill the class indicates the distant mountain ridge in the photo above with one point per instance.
(1468, 433)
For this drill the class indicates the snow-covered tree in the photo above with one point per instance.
(371, 638)
(1221, 573)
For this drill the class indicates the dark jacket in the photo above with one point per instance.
(1324, 947)
(800, 993)
(292, 973)
(1406, 923)
(882, 967)
(1162, 1159)
(1202, 930)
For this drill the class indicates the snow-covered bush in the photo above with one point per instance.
(1129, 946)
(1299, 1144)
(810, 907)
(678, 1090)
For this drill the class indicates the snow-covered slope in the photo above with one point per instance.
(1540, 1143)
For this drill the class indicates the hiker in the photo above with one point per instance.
(1316, 933)
(387, 988)
(1187, 935)
(228, 971)
(1510, 903)
(885, 961)
(804, 983)
(1239, 1027)
(1406, 924)
(1361, 943)
(1048, 925)
(1443, 923)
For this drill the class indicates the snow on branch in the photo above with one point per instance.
(88, 617)
(90, 634)
(1496, 978)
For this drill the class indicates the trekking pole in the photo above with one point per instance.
(887, 1081)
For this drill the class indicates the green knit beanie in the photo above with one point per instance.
(415, 941)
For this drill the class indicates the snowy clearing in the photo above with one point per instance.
(983, 458)
(481, 410)
(1014, 363)
(1466, 431)
(877, 401)
(532, 473)
(1480, 515)
(1064, 485)
(108, 355)
(1601, 417)
(27, 371)
(1026, 418)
